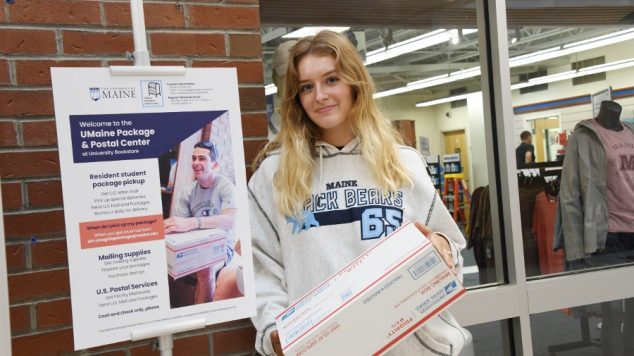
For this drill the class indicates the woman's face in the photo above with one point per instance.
(326, 98)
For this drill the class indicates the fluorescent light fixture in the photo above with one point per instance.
(572, 48)
(517, 61)
(312, 30)
(606, 67)
(270, 89)
(443, 100)
(410, 45)
(599, 68)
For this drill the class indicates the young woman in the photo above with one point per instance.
(331, 184)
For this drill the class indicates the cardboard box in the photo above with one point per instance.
(368, 306)
(191, 251)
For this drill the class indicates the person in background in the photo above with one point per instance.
(525, 152)
(334, 142)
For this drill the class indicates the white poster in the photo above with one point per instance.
(155, 200)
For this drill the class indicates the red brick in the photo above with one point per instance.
(188, 44)
(58, 342)
(113, 353)
(8, 134)
(49, 253)
(39, 73)
(117, 345)
(245, 46)
(224, 17)
(252, 99)
(26, 102)
(251, 148)
(121, 63)
(145, 350)
(54, 313)
(44, 194)
(39, 133)
(55, 12)
(248, 72)
(233, 341)
(254, 125)
(156, 15)
(168, 63)
(49, 223)
(37, 285)
(4, 72)
(29, 164)
(11, 196)
(20, 319)
(83, 42)
(27, 41)
(192, 345)
(16, 259)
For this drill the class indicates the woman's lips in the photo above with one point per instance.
(325, 109)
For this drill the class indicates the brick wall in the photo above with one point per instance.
(38, 34)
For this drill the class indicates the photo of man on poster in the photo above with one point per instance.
(207, 203)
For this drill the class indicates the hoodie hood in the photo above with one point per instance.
(325, 149)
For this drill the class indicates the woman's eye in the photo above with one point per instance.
(306, 87)
(331, 80)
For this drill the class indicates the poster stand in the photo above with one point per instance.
(5, 328)
(142, 66)
(165, 334)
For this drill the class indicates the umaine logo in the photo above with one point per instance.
(95, 94)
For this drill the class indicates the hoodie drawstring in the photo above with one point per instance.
(321, 167)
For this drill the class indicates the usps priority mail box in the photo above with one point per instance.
(191, 251)
(374, 302)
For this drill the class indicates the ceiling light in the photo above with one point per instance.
(413, 44)
(514, 40)
(572, 48)
(607, 67)
(312, 30)
(517, 61)
(443, 100)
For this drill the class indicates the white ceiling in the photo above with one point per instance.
(380, 23)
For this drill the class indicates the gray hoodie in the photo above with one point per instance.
(346, 216)
(583, 195)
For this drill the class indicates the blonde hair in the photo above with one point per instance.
(378, 138)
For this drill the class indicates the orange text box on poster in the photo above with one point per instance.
(121, 231)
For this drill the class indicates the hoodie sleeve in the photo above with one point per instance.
(441, 222)
(270, 278)
(570, 201)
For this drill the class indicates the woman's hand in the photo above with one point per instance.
(440, 243)
(275, 340)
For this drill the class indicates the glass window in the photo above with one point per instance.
(598, 329)
(572, 68)
(425, 63)
(488, 338)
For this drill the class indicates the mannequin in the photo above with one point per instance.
(609, 115)
(597, 211)
(278, 75)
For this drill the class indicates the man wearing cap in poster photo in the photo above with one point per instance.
(209, 203)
